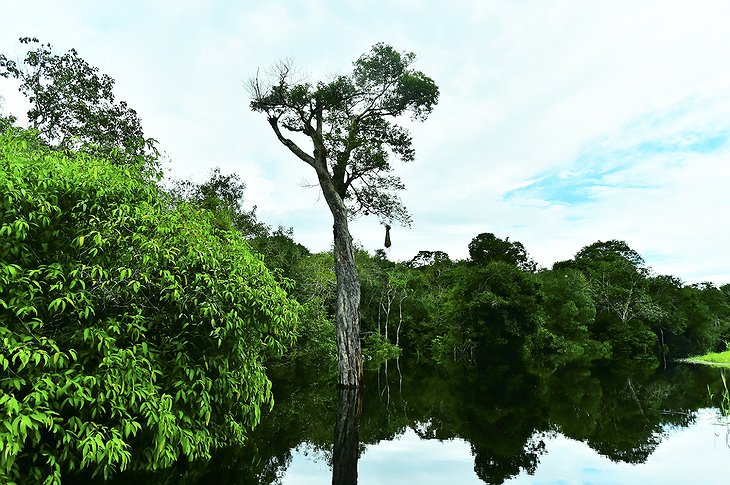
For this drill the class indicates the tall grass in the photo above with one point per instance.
(724, 396)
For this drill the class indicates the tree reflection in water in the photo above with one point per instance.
(347, 441)
(505, 412)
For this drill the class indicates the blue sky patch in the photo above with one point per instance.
(691, 143)
(601, 166)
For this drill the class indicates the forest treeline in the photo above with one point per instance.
(139, 318)
(604, 303)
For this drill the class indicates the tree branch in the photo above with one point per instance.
(293, 147)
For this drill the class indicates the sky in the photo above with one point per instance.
(409, 459)
(560, 123)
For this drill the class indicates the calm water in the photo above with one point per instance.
(628, 423)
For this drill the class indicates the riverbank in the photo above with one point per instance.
(721, 359)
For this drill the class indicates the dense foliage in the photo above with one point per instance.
(133, 331)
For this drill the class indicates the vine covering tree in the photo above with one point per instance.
(351, 132)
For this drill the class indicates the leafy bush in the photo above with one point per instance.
(133, 332)
(377, 349)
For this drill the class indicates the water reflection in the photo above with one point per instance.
(347, 441)
(506, 413)
(508, 418)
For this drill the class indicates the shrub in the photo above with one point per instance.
(133, 332)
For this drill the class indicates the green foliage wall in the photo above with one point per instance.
(132, 331)
(604, 303)
(491, 307)
(568, 319)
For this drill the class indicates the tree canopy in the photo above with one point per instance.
(73, 105)
(486, 248)
(350, 122)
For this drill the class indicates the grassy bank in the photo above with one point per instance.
(713, 358)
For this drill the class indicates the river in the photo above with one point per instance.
(627, 422)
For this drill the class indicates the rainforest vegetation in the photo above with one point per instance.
(139, 318)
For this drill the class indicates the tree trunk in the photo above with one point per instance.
(386, 310)
(334, 190)
(400, 320)
(387, 318)
(348, 306)
(347, 318)
(380, 306)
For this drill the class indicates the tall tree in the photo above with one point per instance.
(72, 105)
(349, 124)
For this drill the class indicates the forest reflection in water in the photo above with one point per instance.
(490, 425)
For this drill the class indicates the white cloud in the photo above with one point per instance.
(526, 89)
